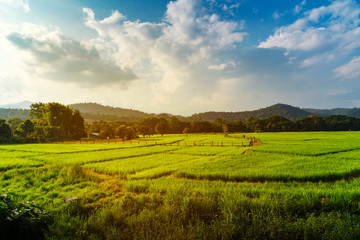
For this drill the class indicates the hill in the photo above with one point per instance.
(7, 113)
(95, 111)
(18, 105)
(351, 112)
(284, 110)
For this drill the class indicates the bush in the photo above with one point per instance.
(20, 220)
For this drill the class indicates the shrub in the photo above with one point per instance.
(20, 220)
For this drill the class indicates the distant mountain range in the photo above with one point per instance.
(19, 105)
(94, 111)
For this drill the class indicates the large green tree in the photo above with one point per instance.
(57, 120)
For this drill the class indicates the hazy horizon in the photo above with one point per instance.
(181, 57)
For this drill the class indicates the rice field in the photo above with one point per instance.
(195, 186)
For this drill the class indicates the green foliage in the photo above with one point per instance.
(25, 128)
(54, 121)
(14, 113)
(186, 130)
(124, 132)
(161, 128)
(5, 131)
(14, 123)
(21, 220)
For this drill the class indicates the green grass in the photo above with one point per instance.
(292, 186)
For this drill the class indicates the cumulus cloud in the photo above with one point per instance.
(326, 28)
(174, 55)
(56, 57)
(349, 70)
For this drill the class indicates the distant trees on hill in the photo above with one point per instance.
(151, 125)
(57, 122)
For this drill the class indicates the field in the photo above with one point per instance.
(196, 186)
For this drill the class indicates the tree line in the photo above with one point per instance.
(52, 121)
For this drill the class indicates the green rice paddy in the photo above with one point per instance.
(196, 186)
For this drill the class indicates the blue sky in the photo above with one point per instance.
(181, 56)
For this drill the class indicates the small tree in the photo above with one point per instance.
(161, 128)
(225, 129)
(186, 130)
(121, 132)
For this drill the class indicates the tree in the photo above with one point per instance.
(201, 126)
(161, 128)
(310, 123)
(57, 120)
(25, 128)
(107, 131)
(121, 132)
(36, 110)
(174, 125)
(225, 129)
(14, 123)
(143, 130)
(186, 130)
(77, 125)
(5, 131)
(218, 124)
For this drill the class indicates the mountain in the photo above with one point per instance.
(284, 110)
(351, 112)
(7, 113)
(19, 105)
(94, 111)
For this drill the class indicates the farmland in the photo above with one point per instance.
(196, 186)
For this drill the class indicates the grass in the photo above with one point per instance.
(292, 186)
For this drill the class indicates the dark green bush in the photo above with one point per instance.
(21, 220)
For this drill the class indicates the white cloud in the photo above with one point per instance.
(349, 70)
(298, 8)
(171, 57)
(52, 56)
(327, 27)
(218, 67)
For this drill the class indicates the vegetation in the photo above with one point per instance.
(7, 113)
(195, 186)
(21, 220)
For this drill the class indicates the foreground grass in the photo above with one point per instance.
(292, 186)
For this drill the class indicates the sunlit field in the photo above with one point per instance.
(195, 186)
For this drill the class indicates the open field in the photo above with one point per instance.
(196, 186)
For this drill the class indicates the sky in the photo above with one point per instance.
(181, 56)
